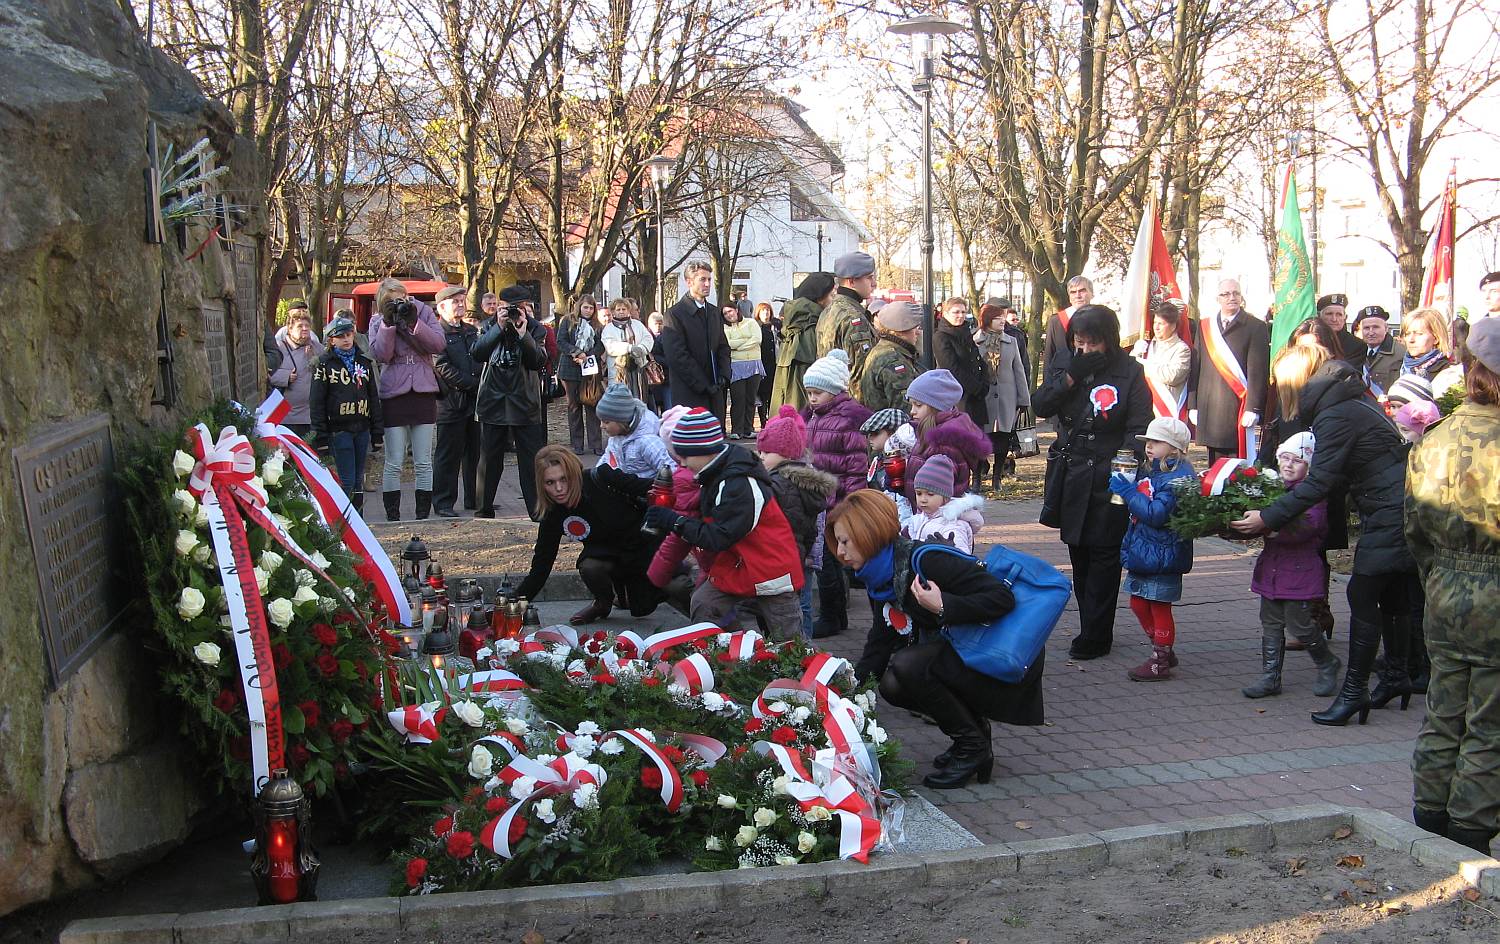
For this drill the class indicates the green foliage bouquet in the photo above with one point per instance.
(1224, 493)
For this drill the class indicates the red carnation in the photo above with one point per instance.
(1250, 471)
(460, 844)
(604, 678)
(699, 778)
(784, 736)
(327, 664)
(651, 681)
(226, 700)
(673, 754)
(701, 644)
(442, 827)
(725, 656)
(345, 618)
(624, 648)
(474, 793)
(281, 656)
(739, 751)
(763, 655)
(517, 830)
(324, 634)
(496, 805)
(650, 778)
(754, 725)
(341, 731)
(299, 755)
(415, 869)
(310, 711)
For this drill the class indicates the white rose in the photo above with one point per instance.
(584, 745)
(722, 640)
(269, 561)
(728, 802)
(504, 648)
(800, 714)
(483, 653)
(262, 581)
(611, 747)
(764, 817)
(306, 578)
(778, 707)
(713, 701)
(189, 603)
(271, 469)
(481, 762)
(200, 517)
(587, 727)
(281, 612)
(818, 814)
(281, 520)
(182, 463)
(318, 560)
(780, 784)
(517, 726)
(186, 541)
(713, 844)
(202, 553)
(746, 835)
(586, 796)
(305, 595)
(646, 734)
(186, 504)
(805, 842)
(545, 812)
(469, 713)
(522, 787)
(865, 701)
(207, 653)
(876, 733)
(786, 860)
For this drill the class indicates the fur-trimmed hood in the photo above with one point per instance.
(955, 434)
(955, 508)
(808, 479)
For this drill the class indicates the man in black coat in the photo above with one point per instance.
(1332, 311)
(954, 350)
(694, 347)
(1222, 416)
(511, 351)
(457, 430)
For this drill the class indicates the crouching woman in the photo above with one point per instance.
(930, 676)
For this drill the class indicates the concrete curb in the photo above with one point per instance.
(706, 891)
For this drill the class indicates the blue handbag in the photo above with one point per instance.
(1007, 648)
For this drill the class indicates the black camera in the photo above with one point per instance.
(400, 309)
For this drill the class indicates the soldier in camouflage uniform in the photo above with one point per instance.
(880, 383)
(844, 321)
(1453, 530)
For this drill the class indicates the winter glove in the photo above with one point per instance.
(376, 441)
(1249, 419)
(1120, 484)
(1193, 417)
(662, 519)
(1085, 365)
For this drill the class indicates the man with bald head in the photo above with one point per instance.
(1228, 378)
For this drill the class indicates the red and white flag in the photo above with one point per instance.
(1437, 288)
(1151, 280)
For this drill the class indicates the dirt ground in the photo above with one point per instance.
(1280, 897)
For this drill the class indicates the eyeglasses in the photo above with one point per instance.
(1230, 295)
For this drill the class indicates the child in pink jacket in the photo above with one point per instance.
(667, 563)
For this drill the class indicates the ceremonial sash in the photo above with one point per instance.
(1162, 400)
(1229, 368)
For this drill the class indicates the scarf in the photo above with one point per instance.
(1421, 365)
(347, 357)
(879, 574)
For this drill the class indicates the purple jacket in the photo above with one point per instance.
(953, 435)
(837, 445)
(405, 357)
(1292, 565)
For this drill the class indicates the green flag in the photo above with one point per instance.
(1296, 296)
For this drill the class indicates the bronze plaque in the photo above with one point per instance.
(73, 518)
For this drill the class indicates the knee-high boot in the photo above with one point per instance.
(1272, 654)
(424, 503)
(1354, 699)
(1394, 680)
(971, 754)
(392, 505)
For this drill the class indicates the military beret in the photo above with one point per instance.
(1371, 311)
(1484, 342)
(1488, 278)
(1337, 298)
(854, 265)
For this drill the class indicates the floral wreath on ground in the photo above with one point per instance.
(583, 757)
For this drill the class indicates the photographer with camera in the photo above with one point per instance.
(512, 353)
(405, 334)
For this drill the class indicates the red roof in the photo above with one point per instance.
(414, 287)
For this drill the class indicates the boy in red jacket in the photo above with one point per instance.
(756, 566)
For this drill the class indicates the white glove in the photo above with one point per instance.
(1193, 417)
(1139, 351)
(1249, 419)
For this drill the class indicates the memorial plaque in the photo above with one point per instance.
(247, 330)
(216, 345)
(74, 521)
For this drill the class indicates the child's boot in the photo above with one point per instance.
(1272, 652)
(1158, 668)
(1330, 669)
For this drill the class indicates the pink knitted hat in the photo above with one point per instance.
(784, 434)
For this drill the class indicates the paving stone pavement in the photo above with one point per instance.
(1120, 753)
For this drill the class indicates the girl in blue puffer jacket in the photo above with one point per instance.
(1154, 557)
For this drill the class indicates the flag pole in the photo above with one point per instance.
(1453, 255)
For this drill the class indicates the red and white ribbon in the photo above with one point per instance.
(859, 830)
(1228, 367)
(418, 722)
(694, 673)
(660, 642)
(744, 645)
(1217, 475)
(790, 761)
(671, 780)
(492, 680)
(822, 669)
(563, 775)
(333, 505)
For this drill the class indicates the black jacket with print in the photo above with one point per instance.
(343, 400)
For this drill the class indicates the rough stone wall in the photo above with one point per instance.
(92, 781)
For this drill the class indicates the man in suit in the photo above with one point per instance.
(694, 347)
(1055, 339)
(1230, 369)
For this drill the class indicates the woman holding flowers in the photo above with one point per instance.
(1359, 446)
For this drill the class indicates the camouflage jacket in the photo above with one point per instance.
(881, 381)
(1453, 530)
(845, 323)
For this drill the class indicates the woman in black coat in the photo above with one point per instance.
(602, 509)
(1099, 395)
(1358, 445)
(770, 337)
(577, 340)
(955, 350)
(930, 676)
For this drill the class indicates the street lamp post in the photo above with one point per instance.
(660, 167)
(924, 31)
(820, 247)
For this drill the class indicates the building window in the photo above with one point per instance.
(803, 209)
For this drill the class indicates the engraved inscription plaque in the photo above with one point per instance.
(73, 517)
(249, 380)
(216, 345)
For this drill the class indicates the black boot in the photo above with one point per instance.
(1353, 699)
(424, 503)
(995, 476)
(971, 754)
(1418, 667)
(946, 757)
(1272, 654)
(1436, 823)
(358, 498)
(1394, 680)
(1477, 839)
(392, 505)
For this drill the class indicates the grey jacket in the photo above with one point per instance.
(1009, 389)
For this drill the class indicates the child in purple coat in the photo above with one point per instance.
(1290, 575)
(838, 448)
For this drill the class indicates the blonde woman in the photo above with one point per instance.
(405, 335)
(627, 345)
(1425, 334)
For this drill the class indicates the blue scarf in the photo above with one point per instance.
(879, 574)
(347, 357)
(1420, 365)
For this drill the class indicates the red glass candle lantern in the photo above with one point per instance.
(895, 471)
(285, 867)
(660, 496)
